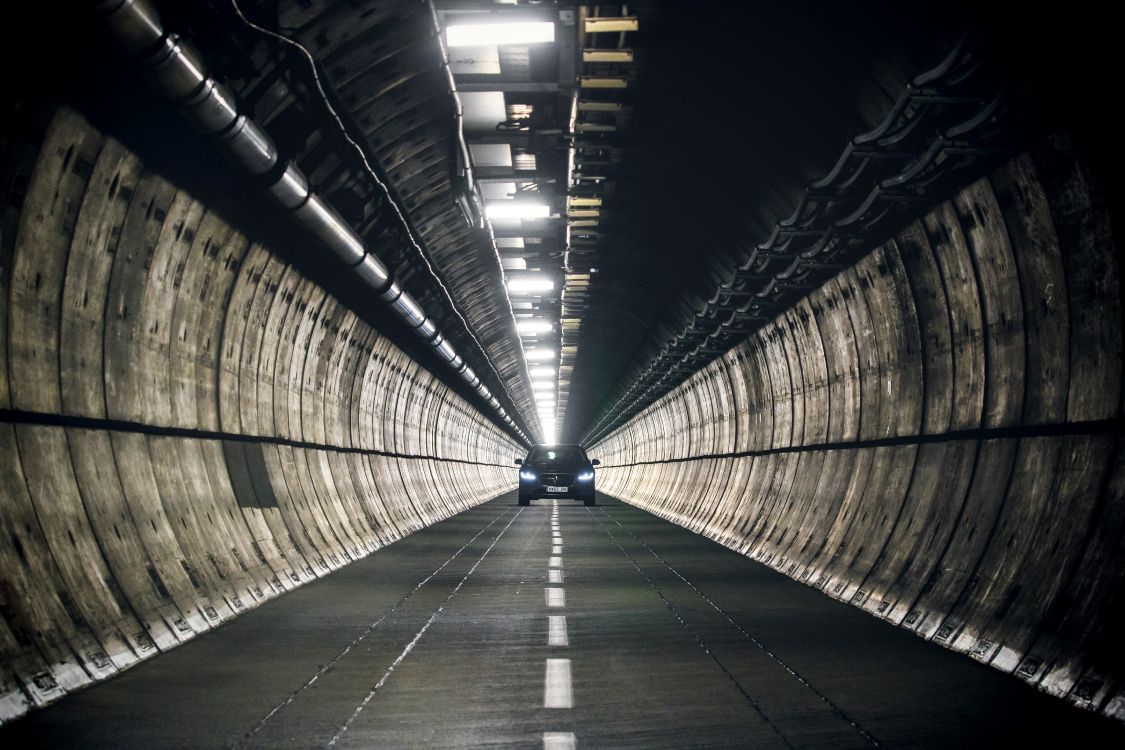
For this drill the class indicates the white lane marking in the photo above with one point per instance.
(556, 550)
(554, 576)
(556, 597)
(554, 562)
(418, 636)
(556, 685)
(556, 631)
(560, 741)
(332, 662)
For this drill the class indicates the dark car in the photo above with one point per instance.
(557, 471)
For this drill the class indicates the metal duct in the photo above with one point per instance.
(179, 72)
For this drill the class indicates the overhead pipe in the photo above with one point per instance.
(178, 71)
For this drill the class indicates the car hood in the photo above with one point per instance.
(561, 467)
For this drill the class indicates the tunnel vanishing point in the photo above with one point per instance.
(836, 286)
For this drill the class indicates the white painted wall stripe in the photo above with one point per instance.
(554, 562)
(554, 576)
(560, 741)
(556, 631)
(556, 685)
(556, 597)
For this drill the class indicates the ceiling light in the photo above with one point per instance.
(542, 385)
(534, 326)
(537, 283)
(534, 355)
(513, 209)
(542, 372)
(477, 34)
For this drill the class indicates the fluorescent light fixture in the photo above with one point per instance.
(524, 284)
(534, 355)
(534, 326)
(480, 34)
(513, 209)
(542, 385)
(544, 399)
(542, 372)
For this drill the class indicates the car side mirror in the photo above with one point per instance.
(595, 462)
(519, 462)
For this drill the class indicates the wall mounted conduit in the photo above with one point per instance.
(946, 127)
(178, 71)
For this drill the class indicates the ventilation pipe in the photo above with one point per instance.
(177, 70)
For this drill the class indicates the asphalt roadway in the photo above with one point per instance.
(559, 626)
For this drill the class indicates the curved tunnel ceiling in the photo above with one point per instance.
(734, 110)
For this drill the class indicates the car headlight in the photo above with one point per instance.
(585, 476)
(527, 475)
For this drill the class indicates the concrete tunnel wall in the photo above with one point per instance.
(192, 427)
(932, 436)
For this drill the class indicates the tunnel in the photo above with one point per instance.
(828, 293)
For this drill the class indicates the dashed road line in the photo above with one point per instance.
(559, 741)
(556, 631)
(356, 641)
(557, 692)
(556, 597)
(698, 639)
(746, 634)
(418, 636)
(557, 688)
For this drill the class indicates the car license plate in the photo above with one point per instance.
(556, 489)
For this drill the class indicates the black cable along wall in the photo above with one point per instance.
(933, 435)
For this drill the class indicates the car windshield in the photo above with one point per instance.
(570, 454)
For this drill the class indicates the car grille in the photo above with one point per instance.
(557, 479)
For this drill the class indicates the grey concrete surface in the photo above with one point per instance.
(442, 640)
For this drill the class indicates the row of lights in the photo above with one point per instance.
(541, 359)
(543, 372)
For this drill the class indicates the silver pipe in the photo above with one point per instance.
(179, 72)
